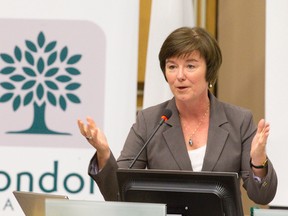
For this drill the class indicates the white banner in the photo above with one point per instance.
(60, 61)
(276, 93)
(166, 16)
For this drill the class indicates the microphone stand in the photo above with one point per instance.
(146, 143)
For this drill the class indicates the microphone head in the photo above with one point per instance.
(167, 114)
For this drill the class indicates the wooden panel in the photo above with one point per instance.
(241, 35)
(211, 16)
(144, 21)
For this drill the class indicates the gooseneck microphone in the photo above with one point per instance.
(166, 115)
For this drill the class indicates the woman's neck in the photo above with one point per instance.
(192, 109)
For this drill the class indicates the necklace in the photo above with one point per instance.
(190, 142)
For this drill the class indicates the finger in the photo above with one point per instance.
(91, 130)
(82, 127)
(261, 126)
(91, 122)
(264, 133)
(89, 133)
(263, 129)
(92, 127)
(266, 128)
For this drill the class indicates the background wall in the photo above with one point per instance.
(276, 94)
(241, 35)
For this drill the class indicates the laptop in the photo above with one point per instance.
(33, 204)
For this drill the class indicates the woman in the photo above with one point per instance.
(203, 133)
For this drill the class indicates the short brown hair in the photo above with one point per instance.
(184, 41)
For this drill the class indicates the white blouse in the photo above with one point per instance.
(197, 158)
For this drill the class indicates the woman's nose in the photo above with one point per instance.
(181, 74)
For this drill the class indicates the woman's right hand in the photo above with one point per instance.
(97, 139)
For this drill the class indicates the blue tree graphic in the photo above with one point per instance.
(39, 75)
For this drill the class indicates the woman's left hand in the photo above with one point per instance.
(258, 146)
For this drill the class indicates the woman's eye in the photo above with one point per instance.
(190, 66)
(171, 67)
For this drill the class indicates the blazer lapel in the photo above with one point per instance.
(175, 140)
(217, 136)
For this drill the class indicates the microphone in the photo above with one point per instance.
(166, 115)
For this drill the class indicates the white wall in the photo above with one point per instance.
(276, 94)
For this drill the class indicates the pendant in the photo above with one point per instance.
(190, 142)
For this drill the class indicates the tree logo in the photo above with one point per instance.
(39, 75)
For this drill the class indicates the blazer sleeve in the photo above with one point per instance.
(106, 179)
(260, 192)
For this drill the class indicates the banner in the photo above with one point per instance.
(166, 16)
(61, 61)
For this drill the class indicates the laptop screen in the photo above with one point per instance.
(33, 204)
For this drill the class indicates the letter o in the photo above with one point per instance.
(8, 180)
(77, 176)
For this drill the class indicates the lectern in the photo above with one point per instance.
(55, 207)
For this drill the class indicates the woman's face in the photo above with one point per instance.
(186, 77)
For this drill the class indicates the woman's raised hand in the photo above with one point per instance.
(97, 139)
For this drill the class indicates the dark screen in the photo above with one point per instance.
(185, 193)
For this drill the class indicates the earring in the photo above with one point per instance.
(210, 85)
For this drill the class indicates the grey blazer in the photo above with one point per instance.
(230, 134)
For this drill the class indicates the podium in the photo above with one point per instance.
(55, 207)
